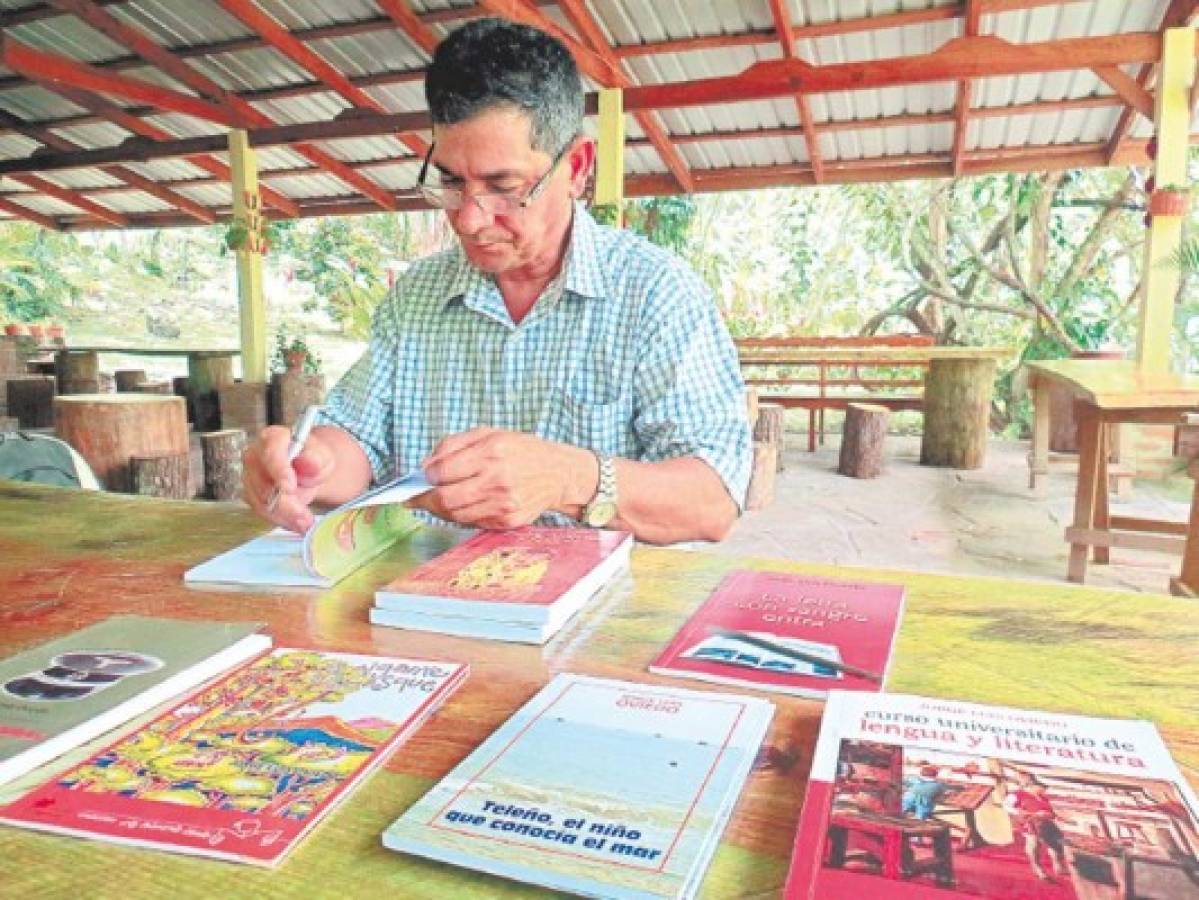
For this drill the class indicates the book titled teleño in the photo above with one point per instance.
(62, 694)
(597, 787)
(247, 767)
(794, 634)
(338, 542)
(520, 585)
(913, 798)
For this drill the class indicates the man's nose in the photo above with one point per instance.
(471, 217)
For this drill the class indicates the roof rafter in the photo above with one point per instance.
(410, 23)
(780, 10)
(72, 198)
(971, 26)
(580, 17)
(20, 211)
(253, 17)
(145, 47)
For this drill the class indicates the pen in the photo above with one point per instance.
(813, 658)
(299, 437)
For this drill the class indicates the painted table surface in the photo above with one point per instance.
(1111, 384)
(68, 559)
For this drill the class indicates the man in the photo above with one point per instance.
(547, 369)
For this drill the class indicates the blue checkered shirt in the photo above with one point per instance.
(626, 355)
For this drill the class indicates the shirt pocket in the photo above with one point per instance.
(602, 426)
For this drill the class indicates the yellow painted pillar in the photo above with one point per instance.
(247, 240)
(1173, 115)
(609, 165)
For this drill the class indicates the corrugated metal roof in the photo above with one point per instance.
(379, 50)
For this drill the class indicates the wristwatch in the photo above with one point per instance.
(602, 508)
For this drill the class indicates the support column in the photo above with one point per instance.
(609, 164)
(1172, 119)
(247, 241)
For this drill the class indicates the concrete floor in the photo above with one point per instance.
(981, 522)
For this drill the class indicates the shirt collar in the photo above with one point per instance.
(584, 273)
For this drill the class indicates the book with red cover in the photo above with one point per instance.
(248, 766)
(919, 798)
(528, 582)
(794, 634)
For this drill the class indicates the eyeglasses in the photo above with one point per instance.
(496, 203)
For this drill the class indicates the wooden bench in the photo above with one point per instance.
(821, 373)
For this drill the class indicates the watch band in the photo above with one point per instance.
(602, 508)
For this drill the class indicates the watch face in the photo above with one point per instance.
(601, 513)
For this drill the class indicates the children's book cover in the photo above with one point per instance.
(793, 634)
(244, 769)
(338, 542)
(63, 693)
(510, 575)
(912, 798)
(597, 787)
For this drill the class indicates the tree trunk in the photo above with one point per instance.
(243, 405)
(957, 406)
(769, 427)
(222, 463)
(292, 393)
(862, 440)
(160, 476)
(109, 430)
(206, 376)
(761, 479)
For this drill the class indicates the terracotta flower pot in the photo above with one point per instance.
(56, 332)
(1169, 203)
(15, 329)
(37, 332)
(295, 360)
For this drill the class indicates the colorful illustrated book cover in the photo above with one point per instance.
(794, 634)
(244, 769)
(912, 798)
(68, 691)
(338, 542)
(514, 575)
(597, 787)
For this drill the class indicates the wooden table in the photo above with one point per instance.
(958, 384)
(1107, 392)
(68, 559)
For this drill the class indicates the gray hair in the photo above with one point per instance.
(490, 63)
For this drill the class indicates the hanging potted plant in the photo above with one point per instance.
(292, 354)
(1170, 200)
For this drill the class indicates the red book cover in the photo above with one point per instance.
(793, 634)
(510, 575)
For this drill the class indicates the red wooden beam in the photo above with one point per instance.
(50, 67)
(153, 53)
(135, 125)
(590, 64)
(978, 57)
(77, 200)
(780, 11)
(971, 23)
(251, 15)
(1128, 89)
(410, 23)
(21, 211)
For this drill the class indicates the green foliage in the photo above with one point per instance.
(666, 221)
(286, 345)
(38, 271)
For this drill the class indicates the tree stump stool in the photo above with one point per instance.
(78, 371)
(222, 463)
(292, 393)
(109, 430)
(31, 400)
(1187, 582)
(206, 375)
(770, 427)
(957, 412)
(762, 476)
(243, 405)
(128, 379)
(160, 476)
(751, 405)
(862, 440)
(8, 423)
(163, 388)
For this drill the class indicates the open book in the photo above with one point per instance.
(338, 542)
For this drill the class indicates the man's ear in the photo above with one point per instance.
(581, 160)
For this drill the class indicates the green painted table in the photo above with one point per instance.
(69, 558)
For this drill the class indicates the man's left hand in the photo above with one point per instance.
(490, 478)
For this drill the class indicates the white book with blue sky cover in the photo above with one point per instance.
(597, 787)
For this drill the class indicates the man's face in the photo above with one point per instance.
(491, 153)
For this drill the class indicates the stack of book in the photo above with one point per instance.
(520, 585)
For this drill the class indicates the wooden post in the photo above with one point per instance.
(761, 479)
(128, 379)
(31, 400)
(609, 163)
(770, 427)
(160, 476)
(247, 217)
(222, 463)
(957, 412)
(109, 430)
(862, 440)
(1173, 121)
(1187, 582)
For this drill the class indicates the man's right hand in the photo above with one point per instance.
(265, 468)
